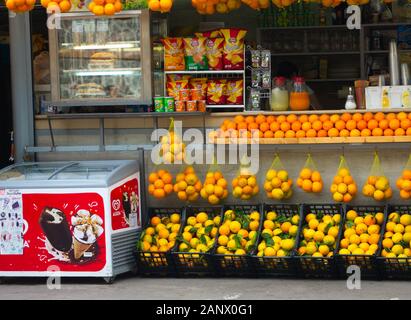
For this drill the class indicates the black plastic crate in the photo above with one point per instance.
(231, 264)
(394, 268)
(317, 267)
(158, 263)
(366, 263)
(277, 266)
(196, 263)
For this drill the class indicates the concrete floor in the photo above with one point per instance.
(129, 287)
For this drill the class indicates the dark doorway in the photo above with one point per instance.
(6, 121)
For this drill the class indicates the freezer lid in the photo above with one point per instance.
(66, 174)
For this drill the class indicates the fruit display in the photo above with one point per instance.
(57, 5)
(403, 183)
(160, 183)
(278, 185)
(105, 7)
(238, 232)
(162, 6)
(279, 234)
(245, 186)
(214, 188)
(343, 188)
(319, 234)
(377, 185)
(215, 6)
(20, 6)
(161, 233)
(396, 242)
(188, 185)
(283, 3)
(361, 232)
(172, 148)
(317, 125)
(309, 179)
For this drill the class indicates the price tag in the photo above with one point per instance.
(77, 26)
(102, 25)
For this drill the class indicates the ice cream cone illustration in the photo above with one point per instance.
(79, 248)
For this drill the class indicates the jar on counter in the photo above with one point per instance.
(279, 95)
(299, 96)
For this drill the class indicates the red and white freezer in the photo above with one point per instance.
(80, 219)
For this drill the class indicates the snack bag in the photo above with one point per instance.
(214, 50)
(234, 91)
(195, 53)
(277, 183)
(173, 54)
(174, 88)
(160, 183)
(404, 181)
(215, 185)
(245, 184)
(177, 77)
(377, 185)
(343, 188)
(172, 146)
(216, 92)
(209, 34)
(233, 51)
(310, 179)
(199, 84)
(188, 185)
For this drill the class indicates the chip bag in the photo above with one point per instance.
(173, 54)
(377, 185)
(209, 34)
(233, 51)
(177, 77)
(277, 183)
(174, 88)
(234, 91)
(199, 84)
(404, 181)
(195, 53)
(216, 92)
(214, 49)
(310, 179)
(343, 188)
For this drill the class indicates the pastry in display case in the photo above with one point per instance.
(101, 59)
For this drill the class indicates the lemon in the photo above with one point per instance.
(337, 218)
(382, 184)
(329, 240)
(407, 237)
(295, 219)
(397, 237)
(309, 234)
(269, 252)
(271, 174)
(281, 253)
(293, 230)
(318, 236)
(333, 231)
(317, 254)
(202, 248)
(323, 249)
(351, 215)
(311, 249)
(191, 221)
(352, 247)
(235, 226)
(183, 247)
(394, 217)
(358, 251)
(391, 255)
(313, 224)
(399, 228)
(262, 246)
(309, 217)
(271, 215)
(240, 252)
(277, 231)
(260, 253)
(287, 244)
(202, 217)
(405, 219)
(344, 251)
(397, 249)
(222, 240)
(221, 250)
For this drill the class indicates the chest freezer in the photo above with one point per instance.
(77, 218)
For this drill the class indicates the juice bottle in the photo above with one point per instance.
(299, 96)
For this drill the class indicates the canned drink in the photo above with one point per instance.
(169, 104)
(180, 106)
(184, 94)
(201, 105)
(191, 105)
(159, 104)
(196, 94)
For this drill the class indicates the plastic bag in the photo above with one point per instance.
(172, 146)
(277, 183)
(343, 188)
(310, 179)
(160, 183)
(377, 185)
(188, 185)
(215, 185)
(404, 181)
(245, 184)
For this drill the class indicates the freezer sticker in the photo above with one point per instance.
(12, 225)
(125, 206)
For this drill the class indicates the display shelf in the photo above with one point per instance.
(317, 53)
(103, 72)
(106, 46)
(331, 80)
(217, 106)
(206, 72)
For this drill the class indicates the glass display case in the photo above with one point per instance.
(101, 60)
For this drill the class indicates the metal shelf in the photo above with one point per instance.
(206, 72)
(328, 53)
(212, 106)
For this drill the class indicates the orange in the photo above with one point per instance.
(300, 134)
(249, 119)
(239, 118)
(340, 124)
(317, 125)
(268, 134)
(290, 134)
(377, 132)
(167, 4)
(242, 125)
(296, 126)
(31, 3)
(352, 189)
(408, 132)
(327, 125)
(333, 132)
(306, 126)
(303, 118)
(98, 10)
(344, 133)
(305, 173)
(65, 5)
(347, 198)
(402, 116)
(394, 124)
(334, 118)
(274, 126)
(346, 117)
(270, 119)
(253, 126)
(406, 174)
(361, 125)
(168, 188)
(357, 116)
(317, 186)
(231, 125)
(312, 118)
(18, 3)
(279, 134)
(291, 118)
(151, 189)
(260, 119)
(368, 116)
(365, 132)
(351, 125)
(311, 133)
(399, 132)
(355, 133)
(405, 124)
(154, 5)
(159, 193)
(405, 194)
(372, 124)
(307, 185)
(321, 133)
(316, 176)
(391, 116)
(324, 117)
(379, 116)
(264, 126)
(11, 5)
(281, 119)
(285, 126)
